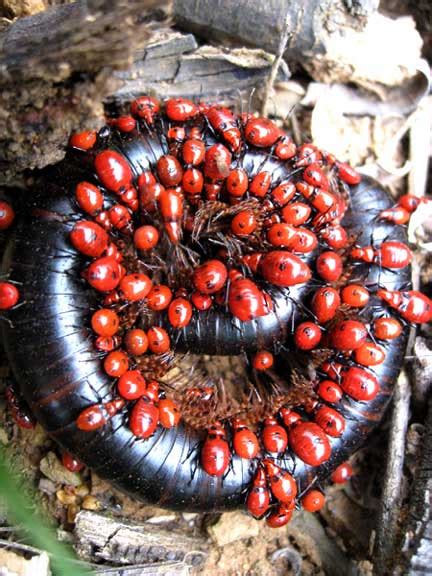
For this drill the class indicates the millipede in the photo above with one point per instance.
(207, 314)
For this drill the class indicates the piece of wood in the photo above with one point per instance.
(391, 499)
(100, 537)
(70, 59)
(261, 23)
(173, 65)
(56, 69)
(416, 548)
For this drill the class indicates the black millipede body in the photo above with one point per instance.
(59, 372)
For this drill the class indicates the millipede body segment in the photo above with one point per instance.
(209, 316)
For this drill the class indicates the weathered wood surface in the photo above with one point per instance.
(55, 69)
(261, 23)
(174, 65)
(417, 541)
(100, 537)
(68, 60)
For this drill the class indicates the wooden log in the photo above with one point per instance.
(55, 69)
(174, 65)
(100, 537)
(261, 24)
(416, 549)
(58, 67)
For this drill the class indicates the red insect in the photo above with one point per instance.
(180, 109)
(113, 170)
(215, 452)
(169, 170)
(158, 340)
(124, 123)
(342, 473)
(171, 208)
(330, 421)
(7, 215)
(146, 107)
(116, 363)
(335, 236)
(307, 335)
(159, 297)
(71, 463)
(144, 416)
(359, 384)
(315, 176)
(104, 274)
(20, 415)
(285, 149)
(296, 213)
(282, 484)
(89, 198)
(281, 515)
(179, 312)
(387, 328)
(355, 295)
(105, 322)
(245, 442)
(136, 342)
(134, 287)
(9, 295)
(201, 302)
(274, 436)
(83, 140)
(263, 360)
(306, 154)
(330, 391)
(224, 122)
(321, 200)
(244, 223)
(348, 335)
(258, 499)
(261, 132)
(289, 417)
(313, 501)
(283, 193)
(397, 215)
(193, 152)
(169, 414)
(329, 266)
(89, 238)
(284, 269)
(146, 237)
(107, 343)
(119, 216)
(310, 443)
(369, 354)
(237, 182)
(217, 162)
(325, 303)
(412, 305)
(260, 184)
(348, 174)
(210, 277)
(390, 254)
(246, 301)
(97, 415)
(131, 385)
(410, 203)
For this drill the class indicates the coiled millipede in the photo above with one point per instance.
(210, 316)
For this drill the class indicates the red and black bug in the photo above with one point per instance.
(183, 232)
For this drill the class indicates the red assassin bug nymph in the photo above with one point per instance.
(183, 231)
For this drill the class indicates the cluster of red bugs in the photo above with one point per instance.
(129, 218)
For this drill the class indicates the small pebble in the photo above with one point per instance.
(90, 503)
